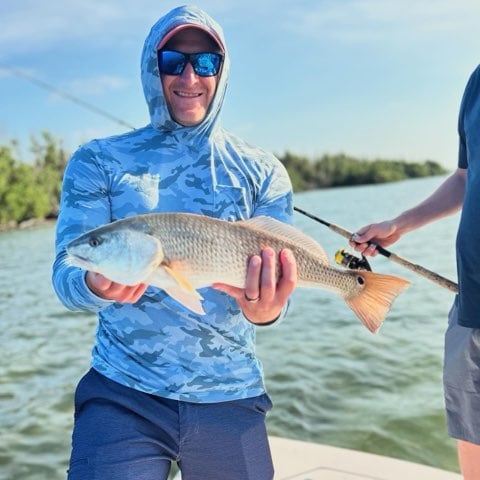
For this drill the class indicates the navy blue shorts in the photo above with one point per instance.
(122, 434)
(461, 378)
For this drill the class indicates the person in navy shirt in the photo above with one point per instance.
(461, 190)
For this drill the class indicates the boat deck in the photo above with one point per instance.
(297, 460)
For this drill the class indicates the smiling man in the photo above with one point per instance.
(188, 94)
(166, 384)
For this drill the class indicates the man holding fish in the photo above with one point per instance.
(168, 384)
(462, 340)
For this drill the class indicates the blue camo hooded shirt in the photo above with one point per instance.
(157, 345)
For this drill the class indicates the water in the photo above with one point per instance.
(331, 380)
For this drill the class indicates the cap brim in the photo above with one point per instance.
(179, 28)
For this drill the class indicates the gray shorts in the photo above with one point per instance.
(461, 379)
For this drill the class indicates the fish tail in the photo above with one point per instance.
(374, 301)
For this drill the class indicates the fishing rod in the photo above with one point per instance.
(414, 267)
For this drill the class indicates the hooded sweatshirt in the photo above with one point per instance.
(156, 345)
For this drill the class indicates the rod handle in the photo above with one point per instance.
(414, 267)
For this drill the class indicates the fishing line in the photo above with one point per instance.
(414, 267)
(63, 94)
(434, 277)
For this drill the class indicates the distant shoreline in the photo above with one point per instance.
(33, 191)
(27, 224)
(51, 219)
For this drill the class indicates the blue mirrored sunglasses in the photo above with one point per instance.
(205, 64)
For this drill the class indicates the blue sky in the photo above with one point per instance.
(370, 78)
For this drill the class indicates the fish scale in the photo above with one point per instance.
(216, 243)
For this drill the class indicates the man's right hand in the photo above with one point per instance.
(105, 288)
(366, 239)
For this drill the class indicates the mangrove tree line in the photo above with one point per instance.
(32, 190)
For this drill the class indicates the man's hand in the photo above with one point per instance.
(263, 298)
(367, 238)
(105, 288)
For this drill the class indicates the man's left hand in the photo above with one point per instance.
(263, 297)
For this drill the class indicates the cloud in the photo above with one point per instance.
(373, 20)
(32, 25)
(38, 25)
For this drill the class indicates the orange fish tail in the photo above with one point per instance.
(373, 303)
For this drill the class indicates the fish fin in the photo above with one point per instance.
(182, 282)
(289, 233)
(373, 303)
(192, 301)
(178, 287)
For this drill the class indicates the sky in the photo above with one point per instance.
(368, 78)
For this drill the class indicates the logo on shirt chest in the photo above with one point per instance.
(143, 189)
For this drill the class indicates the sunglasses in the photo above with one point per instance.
(205, 64)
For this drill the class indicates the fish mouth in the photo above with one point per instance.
(76, 260)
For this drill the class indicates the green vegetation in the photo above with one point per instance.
(32, 191)
(341, 170)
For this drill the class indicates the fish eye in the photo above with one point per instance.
(95, 242)
(360, 280)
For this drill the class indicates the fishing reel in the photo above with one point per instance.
(345, 259)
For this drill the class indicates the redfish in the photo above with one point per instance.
(182, 252)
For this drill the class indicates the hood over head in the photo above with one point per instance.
(165, 28)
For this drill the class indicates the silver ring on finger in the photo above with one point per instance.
(251, 300)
